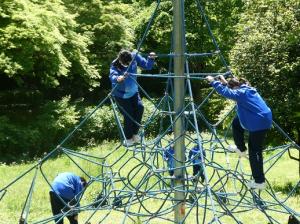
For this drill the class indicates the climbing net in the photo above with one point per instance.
(133, 184)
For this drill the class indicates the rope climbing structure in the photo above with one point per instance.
(156, 180)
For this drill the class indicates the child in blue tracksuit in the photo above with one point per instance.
(123, 78)
(195, 157)
(253, 115)
(168, 156)
(68, 187)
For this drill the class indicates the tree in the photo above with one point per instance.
(267, 53)
(39, 45)
(223, 16)
(109, 28)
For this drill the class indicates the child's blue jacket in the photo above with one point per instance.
(129, 86)
(194, 155)
(253, 112)
(67, 185)
(168, 156)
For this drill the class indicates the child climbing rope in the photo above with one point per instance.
(66, 189)
(195, 157)
(253, 115)
(125, 90)
(168, 155)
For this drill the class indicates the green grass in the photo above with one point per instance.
(282, 176)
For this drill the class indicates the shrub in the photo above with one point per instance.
(39, 134)
(54, 121)
(100, 126)
(16, 141)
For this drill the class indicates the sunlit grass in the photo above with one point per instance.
(122, 163)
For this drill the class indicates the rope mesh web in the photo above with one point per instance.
(134, 185)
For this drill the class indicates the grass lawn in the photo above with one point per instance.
(128, 171)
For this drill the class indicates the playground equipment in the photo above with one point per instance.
(133, 182)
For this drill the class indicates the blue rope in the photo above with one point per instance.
(122, 191)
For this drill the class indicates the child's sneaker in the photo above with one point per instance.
(195, 179)
(253, 185)
(128, 142)
(233, 148)
(136, 138)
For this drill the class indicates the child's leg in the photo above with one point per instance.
(238, 134)
(201, 171)
(138, 110)
(196, 169)
(73, 219)
(56, 205)
(126, 109)
(256, 140)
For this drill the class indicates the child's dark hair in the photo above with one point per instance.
(235, 82)
(244, 81)
(83, 181)
(125, 57)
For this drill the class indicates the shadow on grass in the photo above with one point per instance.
(288, 188)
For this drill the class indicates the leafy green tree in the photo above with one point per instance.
(33, 134)
(39, 45)
(267, 53)
(113, 32)
(109, 28)
(223, 16)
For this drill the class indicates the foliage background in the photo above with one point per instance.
(55, 56)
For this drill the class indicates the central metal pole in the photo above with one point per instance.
(179, 131)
